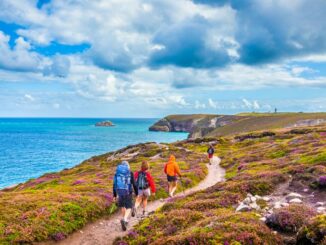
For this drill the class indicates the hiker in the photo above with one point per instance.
(123, 185)
(145, 185)
(210, 152)
(171, 169)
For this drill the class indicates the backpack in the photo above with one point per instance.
(123, 180)
(210, 151)
(142, 182)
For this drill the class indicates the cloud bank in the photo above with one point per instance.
(160, 52)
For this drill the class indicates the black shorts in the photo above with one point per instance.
(171, 178)
(125, 201)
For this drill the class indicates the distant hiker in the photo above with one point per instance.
(145, 185)
(123, 185)
(210, 153)
(241, 166)
(171, 169)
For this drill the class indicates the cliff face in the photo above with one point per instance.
(196, 125)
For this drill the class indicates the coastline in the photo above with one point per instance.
(84, 192)
(66, 201)
(35, 146)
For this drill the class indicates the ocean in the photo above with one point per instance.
(30, 147)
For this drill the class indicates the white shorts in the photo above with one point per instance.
(144, 193)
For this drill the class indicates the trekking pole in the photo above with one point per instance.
(182, 186)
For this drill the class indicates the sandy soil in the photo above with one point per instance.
(105, 230)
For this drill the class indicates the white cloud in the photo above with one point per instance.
(256, 105)
(59, 67)
(103, 87)
(29, 97)
(298, 70)
(247, 103)
(199, 105)
(212, 104)
(18, 58)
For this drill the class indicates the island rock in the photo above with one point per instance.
(104, 124)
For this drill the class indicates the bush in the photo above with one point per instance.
(314, 232)
(322, 181)
(291, 218)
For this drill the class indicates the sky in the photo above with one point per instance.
(150, 58)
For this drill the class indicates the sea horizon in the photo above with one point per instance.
(34, 146)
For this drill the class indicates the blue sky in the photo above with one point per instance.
(82, 58)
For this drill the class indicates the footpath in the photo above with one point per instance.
(106, 230)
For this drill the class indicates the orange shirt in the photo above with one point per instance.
(171, 168)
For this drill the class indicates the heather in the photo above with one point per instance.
(314, 232)
(262, 166)
(56, 204)
(290, 218)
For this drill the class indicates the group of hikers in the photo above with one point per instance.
(141, 183)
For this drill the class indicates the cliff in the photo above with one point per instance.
(197, 125)
(210, 125)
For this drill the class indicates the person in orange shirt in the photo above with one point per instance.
(172, 170)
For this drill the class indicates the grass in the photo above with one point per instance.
(199, 125)
(266, 164)
(263, 121)
(57, 204)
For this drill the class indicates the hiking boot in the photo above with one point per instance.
(123, 225)
(133, 212)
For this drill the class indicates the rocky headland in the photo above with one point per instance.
(210, 125)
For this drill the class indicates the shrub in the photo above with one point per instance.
(291, 218)
(322, 181)
(313, 232)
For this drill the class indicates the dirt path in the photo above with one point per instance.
(105, 230)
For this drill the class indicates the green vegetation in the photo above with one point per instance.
(253, 165)
(56, 204)
(210, 125)
(313, 232)
(264, 121)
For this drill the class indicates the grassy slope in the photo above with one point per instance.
(246, 122)
(209, 217)
(187, 117)
(263, 121)
(54, 205)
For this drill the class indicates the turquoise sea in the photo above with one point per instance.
(30, 147)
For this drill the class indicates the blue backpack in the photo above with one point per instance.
(123, 180)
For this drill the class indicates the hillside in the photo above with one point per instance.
(265, 172)
(274, 194)
(56, 204)
(202, 125)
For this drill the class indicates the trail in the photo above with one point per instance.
(105, 230)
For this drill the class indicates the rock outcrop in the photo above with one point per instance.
(104, 124)
(197, 125)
